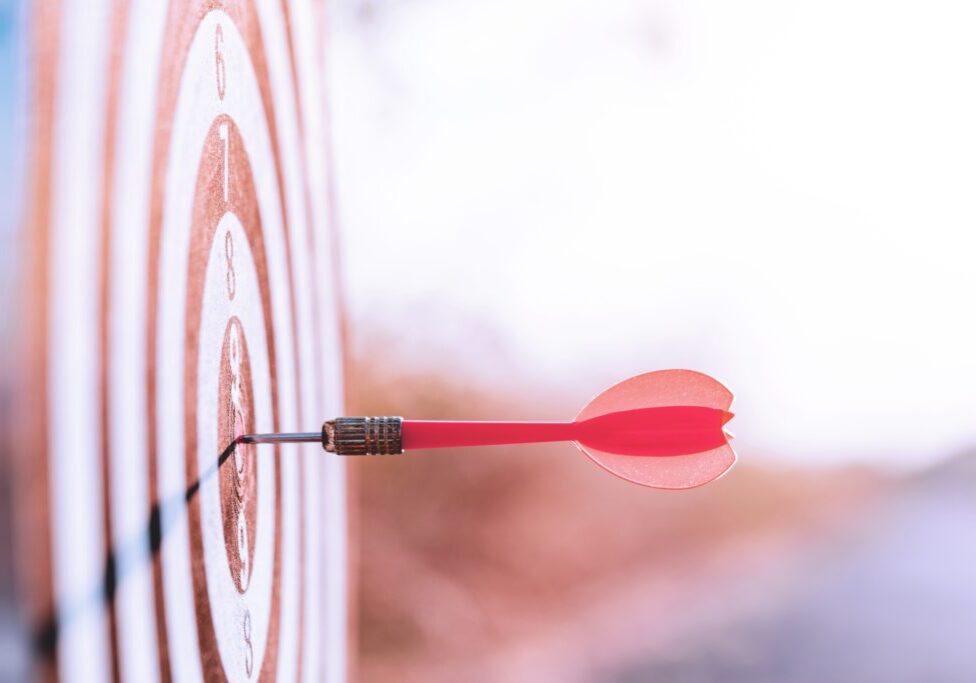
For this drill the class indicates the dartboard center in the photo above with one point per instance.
(239, 473)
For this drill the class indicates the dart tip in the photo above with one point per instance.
(279, 438)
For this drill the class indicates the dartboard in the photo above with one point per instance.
(183, 292)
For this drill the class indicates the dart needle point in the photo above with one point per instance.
(296, 437)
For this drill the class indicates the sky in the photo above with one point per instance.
(779, 194)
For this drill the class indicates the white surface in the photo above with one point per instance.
(776, 193)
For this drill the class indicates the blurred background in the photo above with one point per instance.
(13, 128)
(538, 199)
(541, 198)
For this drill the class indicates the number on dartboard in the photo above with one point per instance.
(224, 134)
(249, 648)
(231, 275)
(241, 461)
(219, 61)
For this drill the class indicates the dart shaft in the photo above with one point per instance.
(393, 435)
(434, 434)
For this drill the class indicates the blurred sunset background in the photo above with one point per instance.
(539, 199)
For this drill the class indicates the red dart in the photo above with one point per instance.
(662, 429)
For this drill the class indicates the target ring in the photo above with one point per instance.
(228, 303)
(203, 219)
(217, 316)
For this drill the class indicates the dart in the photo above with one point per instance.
(662, 429)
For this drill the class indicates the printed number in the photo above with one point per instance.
(220, 66)
(243, 543)
(235, 356)
(248, 647)
(240, 457)
(231, 274)
(224, 134)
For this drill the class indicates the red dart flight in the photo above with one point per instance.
(662, 429)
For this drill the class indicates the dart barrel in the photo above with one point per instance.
(363, 436)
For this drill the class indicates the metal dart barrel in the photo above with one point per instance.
(347, 436)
